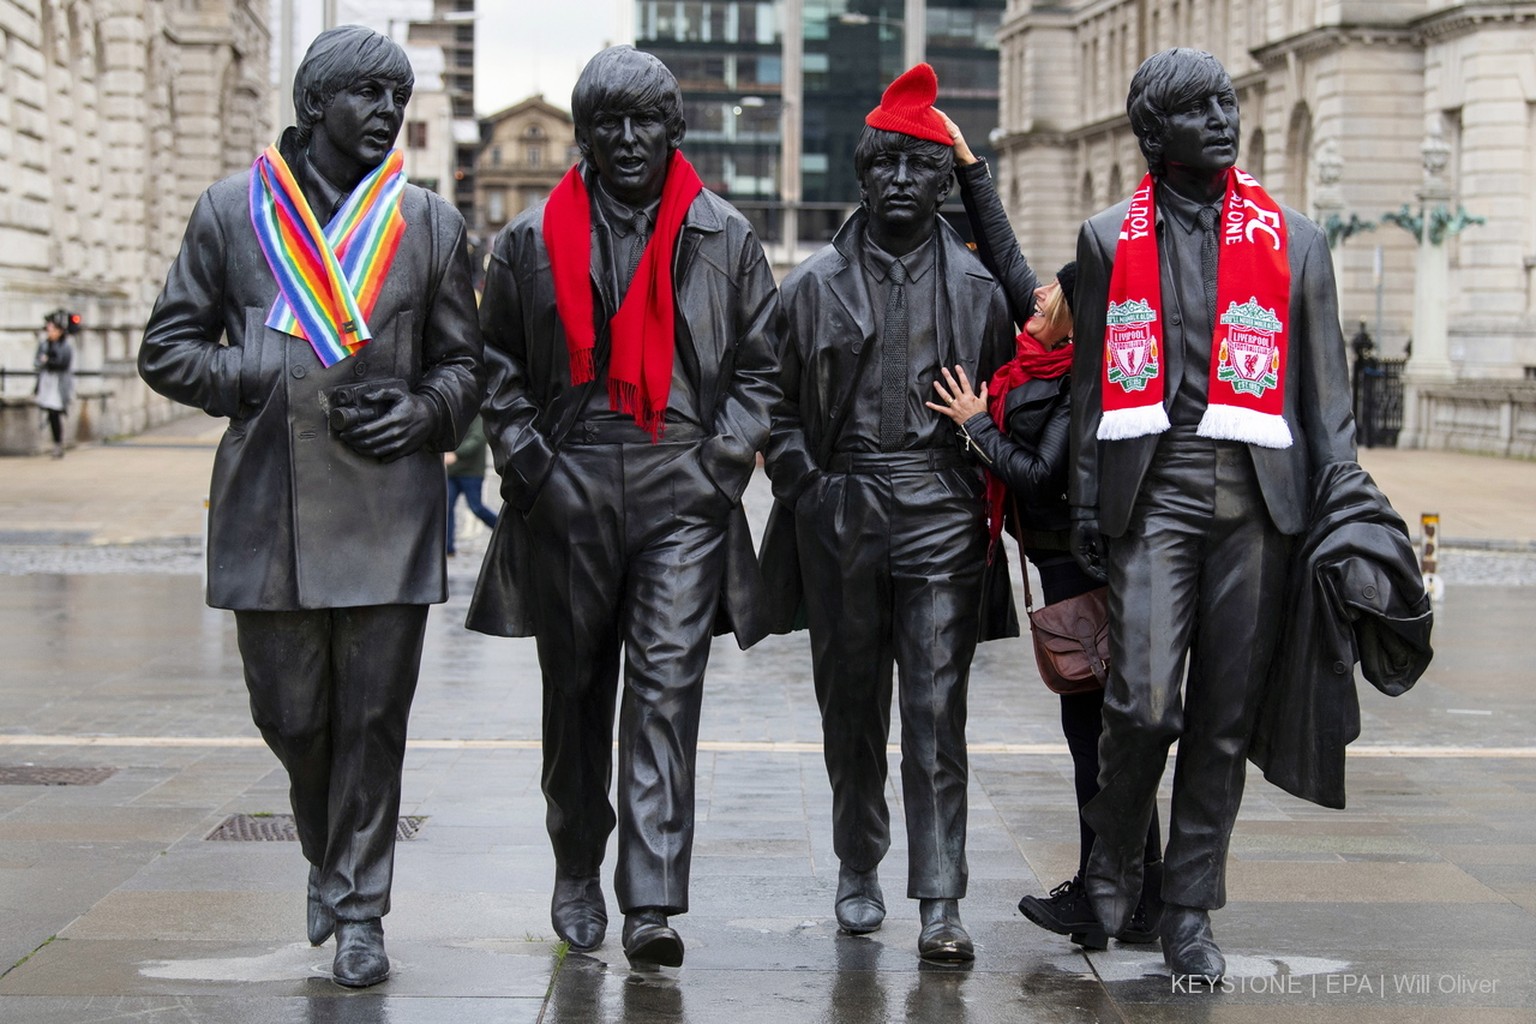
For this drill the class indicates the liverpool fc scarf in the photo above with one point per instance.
(1031, 361)
(643, 343)
(328, 281)
(1248, 347)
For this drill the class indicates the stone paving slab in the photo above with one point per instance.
(136, 967)
(327, 1007)
(1427, 872)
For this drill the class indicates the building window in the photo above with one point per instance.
(416, 135)
(495, 206)
(534, 155)
(495, 156)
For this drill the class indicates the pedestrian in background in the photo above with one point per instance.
(54, 362)
(466, 476)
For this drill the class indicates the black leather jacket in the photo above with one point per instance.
(296, 518)
(1031, 458)
(1355, 595)
(727, 340)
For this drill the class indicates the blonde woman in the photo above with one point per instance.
(1018, 424)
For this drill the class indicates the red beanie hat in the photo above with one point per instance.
(907, 107)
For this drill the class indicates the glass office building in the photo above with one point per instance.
(732, 58)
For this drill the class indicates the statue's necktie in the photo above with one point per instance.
(1206, 219)
(634, 248)
(893, 363)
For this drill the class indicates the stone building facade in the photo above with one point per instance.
(114, 116)
(1342, 101)
(524, 151)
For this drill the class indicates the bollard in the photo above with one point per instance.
(1429, 554)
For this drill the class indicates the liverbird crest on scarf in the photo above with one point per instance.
(1246, 397)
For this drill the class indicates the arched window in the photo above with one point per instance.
(1298, 158)
(1253, 155)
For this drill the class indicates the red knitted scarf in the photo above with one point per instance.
(1031, 361)
(643, 342)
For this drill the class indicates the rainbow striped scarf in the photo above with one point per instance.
(328, 281)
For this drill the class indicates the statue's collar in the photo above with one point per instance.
(323, 196)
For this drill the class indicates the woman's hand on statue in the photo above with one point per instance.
(963, 152)
(960, 403)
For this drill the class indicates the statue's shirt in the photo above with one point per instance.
(924, 428)
(1179, 239)
(619, 236)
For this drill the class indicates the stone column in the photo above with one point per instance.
(1430, 365)
(1329, 197)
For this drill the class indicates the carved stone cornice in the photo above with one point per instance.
(1014, 142)
(1461, 19)
(1328, 38)
(1052, 20)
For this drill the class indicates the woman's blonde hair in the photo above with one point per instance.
(1057, 317)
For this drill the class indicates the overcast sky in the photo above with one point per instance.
(529, 46)
(522, 46)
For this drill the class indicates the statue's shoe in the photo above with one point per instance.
(943, 939)
(578, 912)
(649, 941)
(1113, 884)
(1147, 918)
(860, 905)
(360, 959)
(320, 921)
(1189, 949)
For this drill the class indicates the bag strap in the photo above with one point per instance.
(1018, 535)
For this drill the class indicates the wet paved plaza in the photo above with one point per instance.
(1417, 903)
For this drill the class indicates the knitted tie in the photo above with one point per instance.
(893, 363)
(634, 247)
(1206, 219)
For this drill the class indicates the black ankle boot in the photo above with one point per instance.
(1067, 912)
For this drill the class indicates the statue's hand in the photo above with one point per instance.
(1088, 548)
(402, 428)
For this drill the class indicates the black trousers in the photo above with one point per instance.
(629, 555)
(892, 563)
(1199, 574)
(331, 692)
(1082, 718)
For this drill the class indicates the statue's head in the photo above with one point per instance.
(902, 179)
(1183, 110)
(352, 86)
(904, 158)
(628, 114)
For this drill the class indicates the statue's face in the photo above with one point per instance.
(1201, 137)
(361, 122)
(904, 188)
(630, 150)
